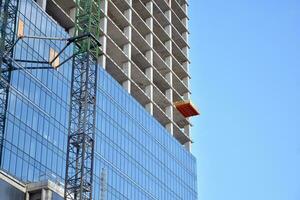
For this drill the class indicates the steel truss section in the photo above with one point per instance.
(82, 117)
(80, 152)
(8, 18)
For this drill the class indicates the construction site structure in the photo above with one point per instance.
(139, 45)
(145, 48)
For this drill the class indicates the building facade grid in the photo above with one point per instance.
(139, 157)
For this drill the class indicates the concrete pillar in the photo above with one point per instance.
(128, 14)
(127, 50)
(149, 90)
(187, 130)
(48, 195)
(185, 36)
(168, 15)
(169, 94)
(128, 32)
(103, 39)
(187, 96)
(169, 77)
(149, 108)
(168, 61)
(169, 112)
(127, 70)
(149, 57)
(149, 73)
(127, 86)
(42, 3)
(104, 6)
(72, 13)
(127, 67)
(168, 30)
(187, 145)
(168, 45)
(102, 58)
(129, 2)
(103, 24)
(185, 51)
(185, 22)
(169, 2)
(186, 81)
(149, 39)
(185, 8)
(185, 65)
(103, 21)
(102, 61)
(44, 195)
(170, 128)
(169, 109)
(149, 21)
(149, 6)
(27, 196)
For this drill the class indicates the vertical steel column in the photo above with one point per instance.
(82, 119)
(8, 19)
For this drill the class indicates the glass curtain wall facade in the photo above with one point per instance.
(139, 158)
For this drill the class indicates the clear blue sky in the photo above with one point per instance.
(246, 81)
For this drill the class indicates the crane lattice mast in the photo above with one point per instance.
(80, 149)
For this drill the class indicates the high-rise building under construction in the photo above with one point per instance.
(142, 141)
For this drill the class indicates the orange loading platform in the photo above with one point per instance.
(186, 108)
